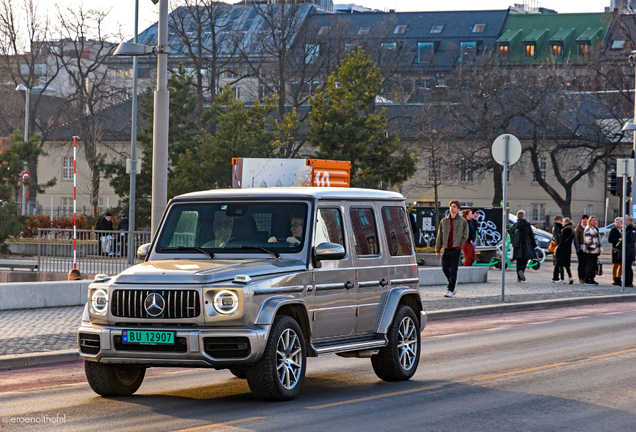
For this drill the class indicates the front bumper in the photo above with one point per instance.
(108, 348)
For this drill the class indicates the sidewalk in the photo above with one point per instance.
(25, 335)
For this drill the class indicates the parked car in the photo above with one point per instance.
(603, 231)
(255, 281)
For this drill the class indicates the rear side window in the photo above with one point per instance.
(396, 227)
(365, 233)
(329, 226)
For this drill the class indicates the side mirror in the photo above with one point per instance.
(329, 251)
(142, 251)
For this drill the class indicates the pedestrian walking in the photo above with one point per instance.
(104, 240)
(580, 231)
(563, 252)
(451, 235)
(469, 246)
(630, 251)
(523, 243)
(615, 237)
(556, 237)
(591, 249)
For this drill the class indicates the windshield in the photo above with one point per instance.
(231, 227)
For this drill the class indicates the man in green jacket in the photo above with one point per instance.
(451, 235)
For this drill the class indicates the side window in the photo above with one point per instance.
(365, 233)
(329, 227)
(396, 227)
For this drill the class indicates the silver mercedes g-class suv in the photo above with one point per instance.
(257, 280)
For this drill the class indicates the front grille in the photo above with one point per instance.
(89, 343)
(180, 346)
(227, 347)
(177, 304)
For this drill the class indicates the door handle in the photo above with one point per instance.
(384, 282)
(349, 285)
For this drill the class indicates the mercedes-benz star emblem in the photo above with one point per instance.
(154, 304)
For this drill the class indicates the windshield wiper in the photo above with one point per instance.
(195, 248)
(276, 254)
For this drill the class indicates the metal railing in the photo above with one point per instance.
(97, 251)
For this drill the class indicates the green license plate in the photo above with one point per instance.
(147, 337)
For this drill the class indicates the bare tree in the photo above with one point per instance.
(25, 59)
(83, 49)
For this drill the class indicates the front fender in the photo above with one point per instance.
(391, 306)
(270, 306)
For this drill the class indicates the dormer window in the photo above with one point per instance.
(557, 50)
(479, 28)
(504, 51)
(400, 29)
(530, 50)
(437, 28)
(584, 49)
(364, 30)
(324, 31)
(618, 44)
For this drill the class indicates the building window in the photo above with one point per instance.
(543, 167)
(364, 30)
(66, 206)
(530, 50)
(430, 175)
(465, 171)
(312, 51)
(425, 52)
(537, 212)
(467, 51)
(584, 49)
(324, 31)
(557, 50)
(67, 168)
(437, 28)
(389, 45)
(479, 28)
(590, 180)
(237, 92)
(504, 51)
(400, 29)
(618, 44)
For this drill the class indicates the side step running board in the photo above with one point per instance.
(351, 346)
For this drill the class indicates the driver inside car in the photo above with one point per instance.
(296, 231)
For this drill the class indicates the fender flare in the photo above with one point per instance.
(392, 303)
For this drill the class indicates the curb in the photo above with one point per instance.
(526, 306)
(19, 361)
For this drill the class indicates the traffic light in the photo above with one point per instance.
(612, 183)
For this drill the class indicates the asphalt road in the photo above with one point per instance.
(564, 369)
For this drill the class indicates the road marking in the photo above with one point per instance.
(219, 424)
(613, 353)
(329, 405)
(519, 371)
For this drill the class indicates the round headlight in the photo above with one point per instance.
(99, 301)
(225, 302)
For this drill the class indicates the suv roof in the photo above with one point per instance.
(295, 192)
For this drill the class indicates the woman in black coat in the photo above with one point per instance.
(563, 252)
(615, 237)
(524, 249)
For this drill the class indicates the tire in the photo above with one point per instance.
(238, 372)
(114, 380)
(398, 361)
(280, 373)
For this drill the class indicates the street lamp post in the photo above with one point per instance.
(22, 87)
(133, 150)
(161, 111)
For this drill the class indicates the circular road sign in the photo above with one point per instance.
(499, 149)
(25, 177)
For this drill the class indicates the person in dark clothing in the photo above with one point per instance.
(103, 224)
(615, 236)
(524, 247)
(556, 236)
(563, 252)
(475, 224)
(630, 251)
(580, 230)
(123, 225)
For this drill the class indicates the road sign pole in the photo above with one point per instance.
(626, 212)
(504, 225)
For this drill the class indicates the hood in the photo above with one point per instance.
(177, 272)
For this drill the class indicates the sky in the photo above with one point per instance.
(123, 12)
